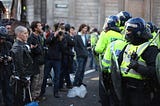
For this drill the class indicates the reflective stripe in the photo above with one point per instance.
(132, 73)
(106, 61)
(106, 65)
(112, 46)
(142, 48)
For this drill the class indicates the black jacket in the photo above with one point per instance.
(5, 66)
(55, 48)
(68, 44)
(38, 52)
(80, 48)
(22, 59)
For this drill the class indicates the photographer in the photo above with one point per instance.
(53, 60)
(5, 67)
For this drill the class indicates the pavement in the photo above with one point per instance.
(91, 99)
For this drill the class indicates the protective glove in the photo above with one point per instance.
(143, 70)
(95, 53)
(133, 64)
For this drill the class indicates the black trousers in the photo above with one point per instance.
(106, 90)
(136, 93)
(20, 97)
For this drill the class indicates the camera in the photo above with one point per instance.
(4, 59)
(59, 34)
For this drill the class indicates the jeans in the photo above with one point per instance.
(65, 71)
(56, 65)
(91, 62)
(80, 71)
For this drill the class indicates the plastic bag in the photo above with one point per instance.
(81, 91)
(72, 92)
(77, 91)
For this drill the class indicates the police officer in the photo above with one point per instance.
(137, 64)
(94, 36)
(5, 67)
(119, 44)
(123, 17)
(116, 47)
(112, 33)
(152, 27)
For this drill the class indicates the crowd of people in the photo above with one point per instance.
(33, 52)
(124, 53)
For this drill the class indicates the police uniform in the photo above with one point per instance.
(139, 72)
(111, 33)
(115, 47)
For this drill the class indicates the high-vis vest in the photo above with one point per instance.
(94, 38)
(115, 46)
(105, 39)
(126, 60)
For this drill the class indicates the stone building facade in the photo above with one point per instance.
(91, 12)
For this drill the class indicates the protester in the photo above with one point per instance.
(23, 65)
(36, 42)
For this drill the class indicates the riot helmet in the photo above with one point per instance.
(151, 26)
(136, 31)
(123, 17)
(111, 22)
(3, 32)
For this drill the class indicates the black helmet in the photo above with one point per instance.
(123, 17)
(152, 26)
(3, 32)
(136, 31)
(111, 22)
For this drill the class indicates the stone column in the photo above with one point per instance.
(101, 14)
(37, 10)
(49, 12)
(147, 10)
(30, 10)
(121, 5)
(71, 14)
(43, 10)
